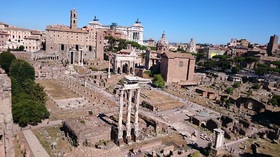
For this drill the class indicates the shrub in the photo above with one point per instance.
(229, 90)
(236, 85)
(158, 81)
(256, 86)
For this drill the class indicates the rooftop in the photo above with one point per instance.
(177, 55)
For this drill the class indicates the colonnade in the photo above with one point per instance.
(130, 90)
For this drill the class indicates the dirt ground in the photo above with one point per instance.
(56, 90)
(162, 102)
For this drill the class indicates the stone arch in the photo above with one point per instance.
(125, 68)
(203, 124)
(131, 70)
(71, 57)
(119, 70)
(77, 47)
(90, 48)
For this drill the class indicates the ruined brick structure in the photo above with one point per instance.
(176, 67)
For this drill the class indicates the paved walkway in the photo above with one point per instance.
(34, 144)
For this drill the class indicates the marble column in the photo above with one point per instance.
(133, 68)
(128, 128)
(136, 129)
(121, 67)
(109, 72)
(82, 58)
(116, 67)
(120, 131)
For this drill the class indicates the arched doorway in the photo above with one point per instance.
(119, 70)
(131, 70)
(71, 57)
(125, 68)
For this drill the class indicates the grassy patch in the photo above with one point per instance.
(54, 134)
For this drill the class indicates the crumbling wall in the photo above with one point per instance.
(6, 114)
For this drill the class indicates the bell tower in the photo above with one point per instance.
(73, 18)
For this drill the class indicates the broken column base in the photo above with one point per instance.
(120, 142)
(215, 152)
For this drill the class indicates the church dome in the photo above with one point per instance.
(163, 40)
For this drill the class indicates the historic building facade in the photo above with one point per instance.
(124, 61)
(73, 44)
(131, 33)
(177, 67)
(12, 37)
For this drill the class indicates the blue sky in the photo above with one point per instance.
(207, 21)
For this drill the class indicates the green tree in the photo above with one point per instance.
(261, 69)
(21, 48)
(256, 86)
(34, 90)
(29, 112)
(238, 60)
(16, 87)
(152, 48)
(222, 61)
(111, 41)
(158, 81)
(122, 44)
(221, 57)
(235, 69)
(199, 56)
(6, 59)
(251, 60)
(276, 63)
(21, 71)
(209, 64)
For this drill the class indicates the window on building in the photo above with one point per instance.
(89, 48)
(181, 63)
(62, 47)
